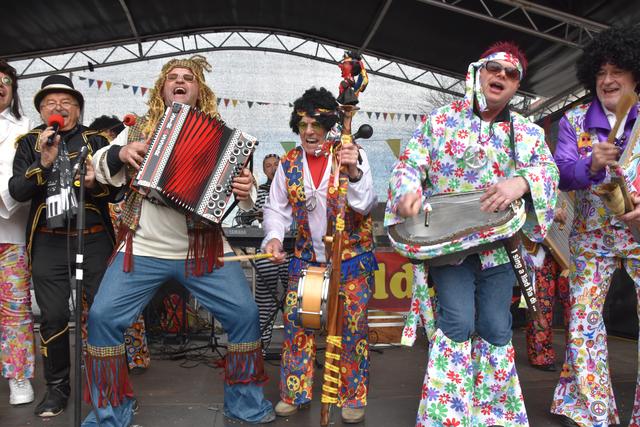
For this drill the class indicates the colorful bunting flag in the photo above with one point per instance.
(288, 145)
(234, 102)
(394, 144)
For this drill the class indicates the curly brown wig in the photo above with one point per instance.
(618, 45)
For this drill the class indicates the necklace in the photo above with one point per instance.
(311, 201)
(475, 157)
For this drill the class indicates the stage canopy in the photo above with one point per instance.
(437, 35)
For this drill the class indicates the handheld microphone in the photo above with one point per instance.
(84, 152)
(129, 120)
(56, 121)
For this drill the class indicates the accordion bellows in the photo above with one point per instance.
(455, 227)
(191, 162)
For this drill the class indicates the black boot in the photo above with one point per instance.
(55, 357)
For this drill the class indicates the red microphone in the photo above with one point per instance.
(56, 121)
(129, 120)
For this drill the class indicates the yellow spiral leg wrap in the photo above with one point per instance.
(332, 378)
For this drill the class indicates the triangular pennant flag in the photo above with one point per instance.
(226, 102)
(234, 102)
(250, 104)
(288, 145)
(108, 84)
(415, 116)
(135, 89)
(423, 116)
(125, 86)
(91, 82)
(290, 104)
(369, 114)
(384, 115)
(406, 117)
(143, 90)
(377, 115)
(218, 101)
(394, 144)
(393, 115)
(82, 78)
(99, 83)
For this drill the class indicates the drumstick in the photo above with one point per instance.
(246, 257)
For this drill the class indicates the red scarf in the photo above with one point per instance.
(317, 166)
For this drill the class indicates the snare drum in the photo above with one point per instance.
(313, 292)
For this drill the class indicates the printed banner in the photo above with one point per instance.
(393, 283)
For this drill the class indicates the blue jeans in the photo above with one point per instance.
(474, 300)
(224, 292)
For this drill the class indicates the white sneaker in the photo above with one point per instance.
(21, 392)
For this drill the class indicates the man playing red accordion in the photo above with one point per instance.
(157, 241)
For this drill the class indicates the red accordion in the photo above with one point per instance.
(191, 162)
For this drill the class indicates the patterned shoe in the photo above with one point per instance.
(21, 392)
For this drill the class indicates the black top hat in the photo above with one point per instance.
(56, 84)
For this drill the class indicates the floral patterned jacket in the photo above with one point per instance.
(436, 161)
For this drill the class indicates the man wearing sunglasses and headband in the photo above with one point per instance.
(472, 144)
(600, 242)
(299, 194)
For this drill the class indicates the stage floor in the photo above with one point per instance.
(188, 392)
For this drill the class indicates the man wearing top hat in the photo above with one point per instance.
(43, 174)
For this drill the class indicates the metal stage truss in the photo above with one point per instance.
(521, 16)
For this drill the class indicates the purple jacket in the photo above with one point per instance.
(572, 160)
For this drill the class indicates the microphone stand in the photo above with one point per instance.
(80, 220)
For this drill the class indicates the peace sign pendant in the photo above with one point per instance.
(311, 203)
(475, 157)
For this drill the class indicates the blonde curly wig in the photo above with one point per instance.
(207, 101)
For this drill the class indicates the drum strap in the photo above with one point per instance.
(513, 247)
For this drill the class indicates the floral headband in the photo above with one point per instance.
(474, 76)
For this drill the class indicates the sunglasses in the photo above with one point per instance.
(185, 77)
(6, 80)
(495, 68)
(317, 127)
(270, 156)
